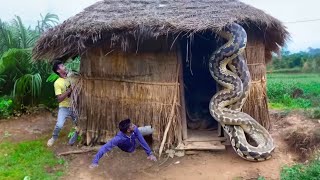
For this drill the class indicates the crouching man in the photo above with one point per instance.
(126, 139)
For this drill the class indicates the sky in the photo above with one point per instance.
(303, 34)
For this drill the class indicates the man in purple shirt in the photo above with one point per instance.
(126, 140)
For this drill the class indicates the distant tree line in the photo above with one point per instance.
(303, 61)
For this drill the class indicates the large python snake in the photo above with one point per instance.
(228, 67)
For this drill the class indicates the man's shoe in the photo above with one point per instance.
(50, 142)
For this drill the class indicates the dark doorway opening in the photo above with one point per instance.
(199, 86)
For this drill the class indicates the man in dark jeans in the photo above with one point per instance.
(126, 141)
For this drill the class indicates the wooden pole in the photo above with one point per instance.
(182, 97)
(174, 103)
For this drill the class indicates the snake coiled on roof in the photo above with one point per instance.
(228, 67)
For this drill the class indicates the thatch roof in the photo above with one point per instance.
(113, 19)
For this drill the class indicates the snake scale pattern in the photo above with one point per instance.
(228, 67)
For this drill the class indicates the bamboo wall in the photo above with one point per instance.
(141, 86)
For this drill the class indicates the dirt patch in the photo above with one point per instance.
(223, 165)
(303, 142)
(199, 165)
(30, 127)
(26, 127)
(301, 134)
(115, 165)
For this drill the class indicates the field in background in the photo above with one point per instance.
(293, 91)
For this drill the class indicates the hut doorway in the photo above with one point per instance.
(199, 87)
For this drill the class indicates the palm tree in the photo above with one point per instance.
(17, 66)
(26, 37)
(16, 35)
(7, 39)
(27, 87)
(2, 82)
(46, 22)
(22, 75)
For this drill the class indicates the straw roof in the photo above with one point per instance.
(111, 20)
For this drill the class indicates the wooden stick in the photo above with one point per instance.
(79, 151)
(164, 161)
(171, 114)
(130, 81)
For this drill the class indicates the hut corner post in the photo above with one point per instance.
(257, 102)
(182, 97)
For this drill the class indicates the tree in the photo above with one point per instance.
(16, 65)
(16, 35)
(25, 36)
(46, 22)
(7, 39)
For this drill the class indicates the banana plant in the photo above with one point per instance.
(52, 78)
(2, 82)
(17, 71)
(16, 65)
(27, 85)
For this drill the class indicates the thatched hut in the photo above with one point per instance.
(147, 60)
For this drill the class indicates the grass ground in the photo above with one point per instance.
(29, 160)
(296, 91)
(293, 91)
(299, 171)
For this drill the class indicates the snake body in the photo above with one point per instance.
(228, 67)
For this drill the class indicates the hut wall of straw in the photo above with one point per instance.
(141, 86)
(257, 103)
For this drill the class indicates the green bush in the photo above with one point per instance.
(314, 113)
(72, 132)
(6, 107)
(310, 171)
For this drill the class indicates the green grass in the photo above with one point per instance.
(299, 171)
(280, 88)
(30, 158)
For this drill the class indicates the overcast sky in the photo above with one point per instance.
(304, 34)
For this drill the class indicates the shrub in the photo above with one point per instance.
(314, 113)
(299, 171)
(6, 107)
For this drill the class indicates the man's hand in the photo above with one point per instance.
(152, 158)
(66, 94)
(69, 91)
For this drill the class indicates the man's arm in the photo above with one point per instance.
(64, 95)
(105, 148)
(58, 91)
(142, 141)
